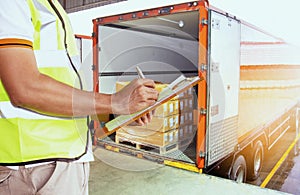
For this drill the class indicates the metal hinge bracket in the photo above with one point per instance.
(202, 154)
(203, 67)
(204, 21)
(93, 67)
(203, 111)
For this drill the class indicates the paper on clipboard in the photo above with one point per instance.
(176, 87)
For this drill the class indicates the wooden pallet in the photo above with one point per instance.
(147, 146)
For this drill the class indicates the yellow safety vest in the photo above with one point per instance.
(29, 137)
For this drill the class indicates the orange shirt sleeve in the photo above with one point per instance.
(14, 42)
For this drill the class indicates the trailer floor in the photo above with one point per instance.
(116, 173)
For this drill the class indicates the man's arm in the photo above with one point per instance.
(28, 88)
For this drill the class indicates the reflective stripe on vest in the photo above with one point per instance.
(27, 136)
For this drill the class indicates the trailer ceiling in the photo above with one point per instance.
(78, 5)
(181, 25)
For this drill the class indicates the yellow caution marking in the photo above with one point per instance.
(279, 163)
(184, 166)
(107, 147)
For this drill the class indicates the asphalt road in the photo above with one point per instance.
(287, 177)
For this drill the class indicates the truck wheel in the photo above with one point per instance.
(256, 161)
(296, 126)
(239, 170)
(296, 148)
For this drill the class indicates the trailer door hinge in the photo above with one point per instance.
(203, 67)
(203, 111)
(204, 21)
(202, 154)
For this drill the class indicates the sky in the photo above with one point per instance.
(280, 18)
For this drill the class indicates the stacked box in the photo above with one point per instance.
(186, 104)
(163, 124)
(186, 118)
(188, 121)
(186, 131)
(188, 93)
(169, 108)
(186, 134)
(186, 109)
(172, 122)
(158, 87)
(162, 130)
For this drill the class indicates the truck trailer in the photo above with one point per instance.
(246, 101)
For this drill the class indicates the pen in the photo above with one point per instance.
(140, 73)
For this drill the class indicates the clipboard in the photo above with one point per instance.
(175, 88)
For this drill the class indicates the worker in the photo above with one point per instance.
(44, 139)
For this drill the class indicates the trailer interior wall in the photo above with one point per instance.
(159, 46)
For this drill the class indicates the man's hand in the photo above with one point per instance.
(145, 119)
(139, 94)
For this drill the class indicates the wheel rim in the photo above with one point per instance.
(257, 161)
(240, 175)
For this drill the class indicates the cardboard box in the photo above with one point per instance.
(188, 93)
(159, 88)
(121, 85)
(186, 104)
(166, 116)
(187, 132)
(167, 109)
(187, 118)
(163, 124)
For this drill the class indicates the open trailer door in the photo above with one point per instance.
(223, 86)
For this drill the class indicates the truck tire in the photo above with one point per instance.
(239, 170)
(296, 149)
(255, 161)
(295, 125)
